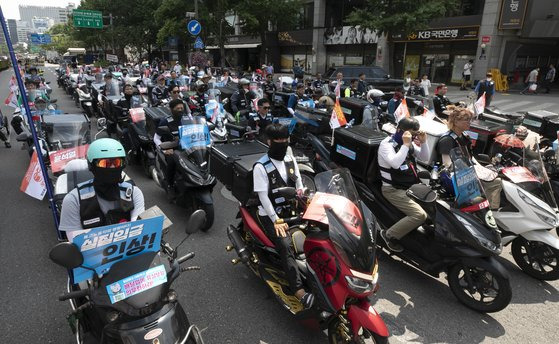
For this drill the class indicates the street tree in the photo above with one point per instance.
(257, 17)
(388, 17)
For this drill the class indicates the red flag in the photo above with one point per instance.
(479, 106)
(337, 119)
(402, 111)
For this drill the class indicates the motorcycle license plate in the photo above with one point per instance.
(136, 283)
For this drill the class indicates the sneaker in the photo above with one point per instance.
(391, 243)
(307, 300)
(7, 144)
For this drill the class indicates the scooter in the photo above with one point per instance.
(153, 315)
(83, 99)
(139, 144)
(193, 183)
(461, 242)
(527, 214)
(334, 245)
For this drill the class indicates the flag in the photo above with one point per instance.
(67, 70)
(337, 90)
(480, 105)
(33, 183)
(13, 84)
(402, 111)
(12, 100)
(428, 113)
(337, 119)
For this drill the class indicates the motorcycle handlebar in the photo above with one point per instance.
(292, 220)
(74, 295)
(185, 257)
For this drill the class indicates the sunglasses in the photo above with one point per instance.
(266, 107)
(110, 163)
(175, 92)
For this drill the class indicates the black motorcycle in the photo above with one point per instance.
(462, 241)
(136, 140)
(153, 315)
(193, 184)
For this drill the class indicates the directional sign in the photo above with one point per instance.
(40, 39)
(194, 27)
(112, 58)
(198, 44)
(88, 19)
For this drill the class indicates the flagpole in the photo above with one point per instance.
(38, 150)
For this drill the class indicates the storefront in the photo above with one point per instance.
(295, 49)
(349, 45)
(240, 52)
(439, 53)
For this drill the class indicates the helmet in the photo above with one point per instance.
(200, 74)
(199, 83)
(408, 123)
(374, 93)
(105, 148)
(244, 81)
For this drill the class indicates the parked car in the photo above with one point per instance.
(374, 76)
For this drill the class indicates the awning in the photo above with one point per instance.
(235, 46)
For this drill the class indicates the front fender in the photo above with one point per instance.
(306, 168)
(542, 236)
(490, 264)
(364, 315)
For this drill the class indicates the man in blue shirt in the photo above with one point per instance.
(486, 86)
(294, 99)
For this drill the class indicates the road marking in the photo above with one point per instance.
(501, 101)
(515, 105)
(547, 106)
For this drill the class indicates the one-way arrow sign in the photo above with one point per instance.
(194, 27)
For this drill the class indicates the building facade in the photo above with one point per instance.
(23, 31)
(12, 28)
(57, 14)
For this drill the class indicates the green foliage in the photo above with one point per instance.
(256, 14)
(392, 16)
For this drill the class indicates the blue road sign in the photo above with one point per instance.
(198, 44)
(40, 39)
(194, 27)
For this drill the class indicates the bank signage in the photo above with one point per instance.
(467, 33)
(512, 14)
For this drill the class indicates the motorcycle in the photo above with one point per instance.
(83, 99)
(334, 244)
(193, 181)
(102, 314)
(528, 213)
(461, 241)
(137, 141)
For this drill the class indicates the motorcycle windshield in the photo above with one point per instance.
(68, 137)
(352, 226)
(468, 190)
(538, 180)
(112, 89)
(194, 135)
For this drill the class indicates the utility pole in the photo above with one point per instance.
(112, 32)
(196, 8)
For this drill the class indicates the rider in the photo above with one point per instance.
(295, 98)
(262, 118)
(415, 89)
(374, 97)
(160, 91)
(200, 98)
(351, 91)
(173, 122)
(106, 199)
(398, 170)
(239, 102)
(275, 170)
(269, 87)
(458, 123)
(126, 102)
(441, 101)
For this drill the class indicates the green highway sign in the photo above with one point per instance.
(88, 18)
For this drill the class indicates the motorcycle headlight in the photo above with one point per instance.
(546, 217)
(359, 285)
(488, 244)
(143, 138)
(87, 103)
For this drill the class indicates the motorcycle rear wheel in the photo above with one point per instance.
(335, 338)
(533, 257)
(483, 283)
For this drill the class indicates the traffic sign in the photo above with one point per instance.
(88, 19)
(198, 44)
(37, 38)
(194, 27)
(112, 58)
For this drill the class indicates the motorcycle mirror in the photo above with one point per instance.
(387, 76)
(196, 221)
(483, 158)
(101, 122)
(66, 255)
(22, 137)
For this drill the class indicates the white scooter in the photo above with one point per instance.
(526, 217)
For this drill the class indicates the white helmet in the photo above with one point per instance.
(200, 74)
(374, 93)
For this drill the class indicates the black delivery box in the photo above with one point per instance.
(536, 120)
(355, 148)
(353, 108)
(482, 134)
(154, 115)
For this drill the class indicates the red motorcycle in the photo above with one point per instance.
(335, 246)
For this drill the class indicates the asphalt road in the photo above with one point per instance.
(228, 302)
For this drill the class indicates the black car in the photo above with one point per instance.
(374, 76)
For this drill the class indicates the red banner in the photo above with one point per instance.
(60, 158)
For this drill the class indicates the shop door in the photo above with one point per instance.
(437, 67)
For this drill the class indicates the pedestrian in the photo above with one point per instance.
(362, 85)
(466, 75)
(425, 83)
(407, 81)
(177, 68)
(486, 86)
(549, 78)
(532, 80)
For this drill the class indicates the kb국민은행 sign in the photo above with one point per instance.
(467, 33)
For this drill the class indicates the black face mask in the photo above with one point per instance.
(177, 115)
(278, 150)
(105, 182)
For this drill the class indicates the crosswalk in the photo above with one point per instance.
(515, 102)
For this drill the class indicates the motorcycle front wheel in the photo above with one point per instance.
(210, 215)
(479, 289)
(335, 336)
(536, 259)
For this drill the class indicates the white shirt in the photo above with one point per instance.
(177, 68)
(426, 83)
(261, 185)
(467, 69)
(388, 158)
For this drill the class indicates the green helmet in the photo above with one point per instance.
(105, 148)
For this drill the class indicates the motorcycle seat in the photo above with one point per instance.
(422, 193)
(298, 240)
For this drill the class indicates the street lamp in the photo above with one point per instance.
(482, 55)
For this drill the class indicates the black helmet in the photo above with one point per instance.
(408, 123)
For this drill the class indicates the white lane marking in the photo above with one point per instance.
(547, 106)
(515, 105)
